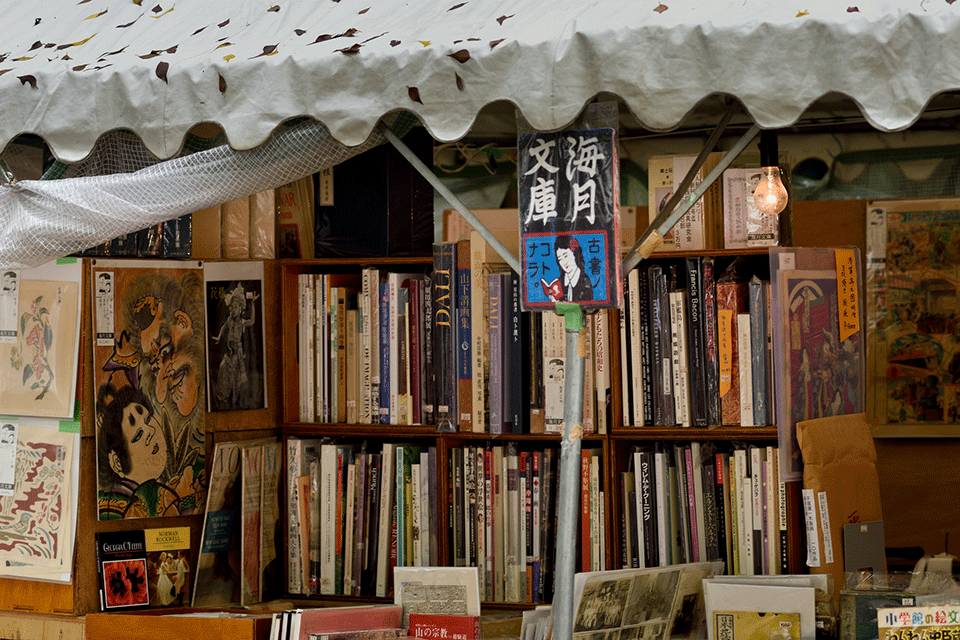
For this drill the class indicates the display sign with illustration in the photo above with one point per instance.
(569, 219)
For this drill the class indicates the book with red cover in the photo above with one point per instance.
(438, 626)
(337, 619)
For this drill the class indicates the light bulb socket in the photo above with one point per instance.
(769, 155)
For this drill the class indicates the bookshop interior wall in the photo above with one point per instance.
(256, 375)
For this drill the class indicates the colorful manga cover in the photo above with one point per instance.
(913, 266)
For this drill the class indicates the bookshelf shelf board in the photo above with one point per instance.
(694, 433)
(355, 263)
(383, 431)
(516, 437)
(714, 253)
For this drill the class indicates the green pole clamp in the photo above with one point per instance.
(573, 315)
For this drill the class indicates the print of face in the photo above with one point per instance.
(148, 449)
(174, 371)
(566, 260)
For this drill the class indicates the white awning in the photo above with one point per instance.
(71, 70)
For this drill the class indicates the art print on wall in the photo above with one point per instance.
(149, 376)
(235, 339)
(38, 347)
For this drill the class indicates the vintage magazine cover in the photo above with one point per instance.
(236, 345)
(39, 334)
(727, 598)
(913, 267)
(756, 625)
(569, 221)
(148, 373)
(818, 364)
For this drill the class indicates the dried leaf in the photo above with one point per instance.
(394, 43)
(224, 23)
(37, 20)
(49, 45)
(83, 1)
(124, 26)
(157, 9)
(414, 94)
(322, 38)
(25, 58)
(661, 8)
(299, 32)
(173, 49)
(67, 57)
(35, 45)
(274, 9)
(96, 15)
(112, 53)
(951, 1)
(363, 11)
(32, 81)
(803, 13)
(268, 50)
(162, 70)
(425, 43)
(457, 41)
(225, 44)
(147, 56)
(456, 6)
(349, 33)
(223, 84)
(473, 39)
(354, 48)
(494, 43)
(138, 2)
(503, 19)
(857, 10)
(374, 38)
(459, 81)
(197, 31)
(460, 56)
(3, 71)
(79, 67)
(164, 13)
(228, 57)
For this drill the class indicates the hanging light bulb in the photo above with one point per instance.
(770, 195)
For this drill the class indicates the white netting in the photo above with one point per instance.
(47, 219)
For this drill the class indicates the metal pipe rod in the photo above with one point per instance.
(448, 195)
(569, 498)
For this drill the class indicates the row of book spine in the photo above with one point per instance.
(694, 502)
(695, 349)
(355, 514)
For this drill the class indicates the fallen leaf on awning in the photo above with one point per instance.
(124, 26)
(79, 67)
(803, 13)
(35, 45)
(225, 44)
(224, 23)
(83, 1)
(661, 8)
(349, 33)
(24, 58)
(274, 9)
(3, 71)
(394, 43)
(456, 6)
(363, 11)
(857, 10)
(96, 15)
(460, 56)
(28, 80)
(157, 9)
(494, 43)
(354, 48)
(374, 38)
(223, 84)
(473, 39)
(228, 57)
(425, 43)
(138, 2)
(162, 70)
(112, 53)
(37, 21)
(459, 81)
(173, 49)
(268, 50)
(162, 14)
(67, 57)
(299, 32)
(49, 45)
(414, 94)
(503, 19)
(147, 56)
(322, 38)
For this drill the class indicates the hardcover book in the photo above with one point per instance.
(444, 334)
(122, 570)
(168, 565)
(438, 626)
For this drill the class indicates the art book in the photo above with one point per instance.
(913, 307)
(150, 381)
(39, 334)
(122, 570)
(236, 346)
(569, 219)
(168, 565)
(819, 357)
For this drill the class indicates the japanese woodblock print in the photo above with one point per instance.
(914, 316)
(150, 385)
(569, 219)
(820, 374)
(235, 338)
(38, 353)
(36, 518)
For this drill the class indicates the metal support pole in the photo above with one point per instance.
(448, 195)
(653, 236)
(569, 498)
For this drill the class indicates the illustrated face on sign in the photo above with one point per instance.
(8, 434)
(166, 344)
(10, 281)
(566, 260)
(148, 449)
(131, 442)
